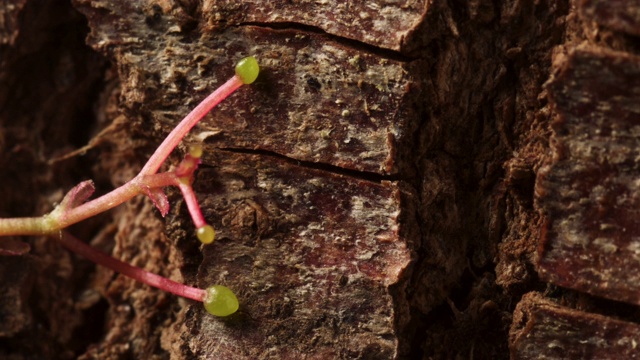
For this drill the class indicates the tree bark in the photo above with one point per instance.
(398, 178)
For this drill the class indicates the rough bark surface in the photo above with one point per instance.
(543, 329)
(317, 101)
(619, 15)
(311, 254)
(587, 194)
(589, 190)
(372, 192)
(385, 24)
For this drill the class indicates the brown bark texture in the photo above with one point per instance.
(593, 244)
(586, 191)
(399, 177)
(542, 329)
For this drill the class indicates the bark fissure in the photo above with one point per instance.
(360, 175)
(354, 44)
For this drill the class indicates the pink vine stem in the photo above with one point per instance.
(173, 139)
(46, 225)
(74, 244)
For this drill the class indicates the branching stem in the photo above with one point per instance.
(218, 299)
(58, 220)
(173, 139)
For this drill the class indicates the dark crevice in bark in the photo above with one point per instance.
(347, 42)
(50, 80)
(592, 304)
(360, 175)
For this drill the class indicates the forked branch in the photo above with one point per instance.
(74, 208)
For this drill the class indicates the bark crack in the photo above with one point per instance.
(344, 41)
(337, 170)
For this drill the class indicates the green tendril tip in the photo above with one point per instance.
(206, 234)
(220, 301)
(247, 70)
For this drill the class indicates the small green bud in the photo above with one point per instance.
(247, 70)
(195, 151)
(219, 300)
(206, 234)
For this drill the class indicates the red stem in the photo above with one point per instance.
(40, 226)
(176, 135)
(74, 244)
(192, 205)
